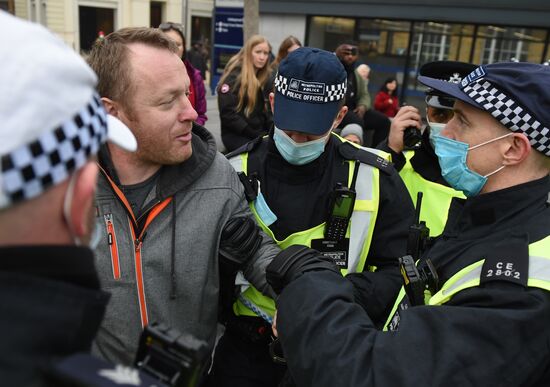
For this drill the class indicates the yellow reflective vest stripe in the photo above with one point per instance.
(359, 231)
(469, 277)
(436, 200)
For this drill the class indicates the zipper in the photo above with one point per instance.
(113, 247)
(139, 278)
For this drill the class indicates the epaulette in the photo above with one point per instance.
(245, 148)
(352, 152)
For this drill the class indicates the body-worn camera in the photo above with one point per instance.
(418, 280)
(173, 358)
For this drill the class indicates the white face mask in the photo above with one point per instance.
(67, 204)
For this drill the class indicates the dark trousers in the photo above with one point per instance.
(238, 361)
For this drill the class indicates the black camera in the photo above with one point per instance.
(418, 280)
(175, 359)
(411, 136)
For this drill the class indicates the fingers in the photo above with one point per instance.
(408, 113)
(406, 116)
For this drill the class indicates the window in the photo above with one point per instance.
(499, 44)
(430, 42)
(329, 32)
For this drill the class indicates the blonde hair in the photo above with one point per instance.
(248, 81)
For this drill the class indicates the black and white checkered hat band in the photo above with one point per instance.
(510, 114)
(32, 168)
(309, 91)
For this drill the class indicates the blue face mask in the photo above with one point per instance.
(452, 159)
(435, 130)
(298, 153)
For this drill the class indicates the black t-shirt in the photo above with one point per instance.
(137, 193)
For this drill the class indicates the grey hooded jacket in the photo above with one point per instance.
(165, 268)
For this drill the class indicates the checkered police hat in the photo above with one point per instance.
(51, 118)
(516, 94)
(309, 87)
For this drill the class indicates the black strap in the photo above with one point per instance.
(351, 152)
(250, 185)
(245, 148)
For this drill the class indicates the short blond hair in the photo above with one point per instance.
(109, 58)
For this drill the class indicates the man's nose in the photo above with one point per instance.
(186, 112)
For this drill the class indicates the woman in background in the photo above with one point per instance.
(197, 94)
(386, 100)
(289, 44)
(243, 112)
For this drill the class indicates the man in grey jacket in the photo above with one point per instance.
(163, 209)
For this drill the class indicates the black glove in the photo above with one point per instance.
(240, 240)
(294, 261)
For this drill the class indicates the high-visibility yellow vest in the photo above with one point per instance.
(469, 277)
(436, 200)
(359, 231)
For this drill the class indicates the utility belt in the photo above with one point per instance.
(254, 330)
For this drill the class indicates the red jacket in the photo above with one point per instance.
(387, 104)
(198, 93)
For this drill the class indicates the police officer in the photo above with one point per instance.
(481, 308)
(309, 186)
(418, 165)
(53, 124)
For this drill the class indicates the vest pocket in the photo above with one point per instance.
(113, 247)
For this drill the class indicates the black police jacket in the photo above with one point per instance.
(299, 196)
(496, 334)
(50, 308)
(237, 128)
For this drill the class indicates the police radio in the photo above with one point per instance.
(418, 280)
(419, 233)
(334, 244)
(341, 205)
(411, 137)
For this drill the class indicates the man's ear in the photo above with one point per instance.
(83, 199)
(110, 106)
(517, 150)
(340, 116)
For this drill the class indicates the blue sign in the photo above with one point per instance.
(227, 40)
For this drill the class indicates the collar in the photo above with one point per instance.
(502, 209)
(70, 264)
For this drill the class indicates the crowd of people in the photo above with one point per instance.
(297, 258)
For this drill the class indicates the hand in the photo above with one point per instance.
(390, 101)
(360, 110)
(294, 261)
(405, 117)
